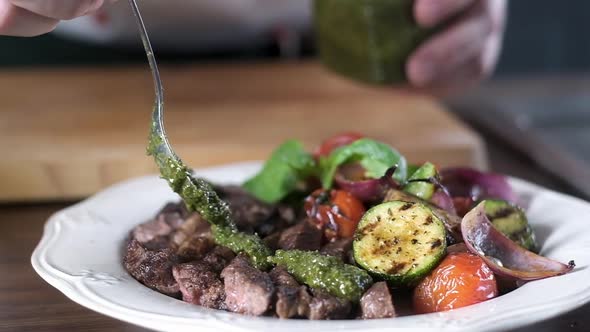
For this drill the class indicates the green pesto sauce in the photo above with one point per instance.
(199, 196)
(368, 40)
(324, 272)
(242, 242)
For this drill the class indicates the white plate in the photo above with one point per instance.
(80, 254)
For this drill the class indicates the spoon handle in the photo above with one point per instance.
(158, 113)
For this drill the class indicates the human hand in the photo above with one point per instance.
(28, 18)
(463, 53)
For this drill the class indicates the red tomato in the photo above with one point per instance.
(337, 212)
(461, 279)
(335, 142)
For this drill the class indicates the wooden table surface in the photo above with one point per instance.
(27, 303)
(86, 128)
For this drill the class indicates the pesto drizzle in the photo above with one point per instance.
(241, 242)
(199, 196)
(324, 272)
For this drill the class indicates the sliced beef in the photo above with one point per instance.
(377, 302)
(280, 277)
(340, 248)
(303, 236)
(291, 298)
(194, 248)
(247, 290)
(194, 226)
(254, 216)
(283, 218)
(286, 213)
(173, 227)
(248, 212)
(200, 284)
(304, 299)
(325, 306)
(158, 228)
(193, 239)
(153, 268)
(272, 240)
(178, 207)
(218, 258)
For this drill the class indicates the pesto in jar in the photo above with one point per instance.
(367, 40)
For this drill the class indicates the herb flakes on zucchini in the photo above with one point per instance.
(400, 242)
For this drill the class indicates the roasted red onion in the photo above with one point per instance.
(443, 200)
(366, 190)
(505, 257)
(471, 183)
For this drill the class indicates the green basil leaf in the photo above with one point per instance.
(374, 156)
(287, 167)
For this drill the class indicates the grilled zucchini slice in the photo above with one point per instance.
(400, 242)
(512, 221)
(424, 188)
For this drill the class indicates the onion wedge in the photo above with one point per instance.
(468, 182)
(443, 200)
(370, 190)
(503, 256)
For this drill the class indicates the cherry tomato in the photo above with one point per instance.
(337, 212)
(335, 142)
(461, 279)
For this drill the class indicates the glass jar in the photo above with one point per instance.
(367, 40)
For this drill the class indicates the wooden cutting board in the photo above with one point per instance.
(67, 133)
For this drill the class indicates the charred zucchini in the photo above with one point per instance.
(400, 242)
(419, 183)
(512, 222)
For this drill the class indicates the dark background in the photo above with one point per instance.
(543, 36)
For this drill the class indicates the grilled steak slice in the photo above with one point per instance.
(218, 258)
(247, 290)
(303, 302)
(194, 248)
(272, 240)
(178, 207)
(291, 298)
(325, 306)
(152, 268)
(247, 211)
(340, 248)
(193, 226)
(173, 227)
(193, 239)
(377, 302)
(158, 228)
(280, 277)
(254, 216)
(302, 236)
(200, 284)
(283, 217)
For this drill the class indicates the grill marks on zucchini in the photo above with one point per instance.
(399, 241)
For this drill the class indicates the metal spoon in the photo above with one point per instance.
(197, 194)
(158, 139)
